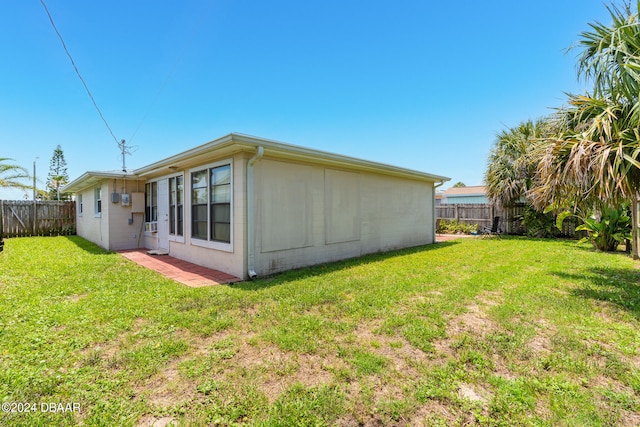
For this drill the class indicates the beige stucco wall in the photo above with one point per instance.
(308, 214)
(91, 226)
(123, 235)
(110, 229)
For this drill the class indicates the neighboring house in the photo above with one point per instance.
(250, 206)
(464, 195)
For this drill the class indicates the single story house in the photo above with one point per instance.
(249, 206)
(473, 194)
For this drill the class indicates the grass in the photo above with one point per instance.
(471, 332)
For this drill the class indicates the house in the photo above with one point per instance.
(476, 194)
(249, 206)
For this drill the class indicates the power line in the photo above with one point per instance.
(77, 71)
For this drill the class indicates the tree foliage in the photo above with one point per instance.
(12, 175)
(592, 162)
(513, 160)
(58, 176)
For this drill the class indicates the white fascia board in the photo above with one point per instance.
(91, 178)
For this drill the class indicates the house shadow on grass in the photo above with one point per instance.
(327, 268)
(618, 286)
(87, 246)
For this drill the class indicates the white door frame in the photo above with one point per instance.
(163, 214)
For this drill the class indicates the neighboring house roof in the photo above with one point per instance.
(234, 142)
(474, 190)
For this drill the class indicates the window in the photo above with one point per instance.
(211, 204)
(80, 205)
(98, 201)
(221, 203)
(199, 200)
(176, 208)
(151, 202)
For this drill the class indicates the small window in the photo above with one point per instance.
(98, 201)
(80, 205)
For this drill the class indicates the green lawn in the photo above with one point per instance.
(504, 331)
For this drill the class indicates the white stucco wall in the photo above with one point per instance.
(308, 214)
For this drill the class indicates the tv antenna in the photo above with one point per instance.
(124, 149)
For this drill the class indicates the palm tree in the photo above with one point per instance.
(11, 175)
(595, 157)
(512, 162)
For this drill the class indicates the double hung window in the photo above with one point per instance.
(151, 202)
(176, 205)
(211, 204)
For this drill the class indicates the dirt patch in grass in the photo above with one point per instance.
(272, 370)
(168, 387)
(106, 352)
(629, 418)
(150, 421)
(435, 412)
(76, 297)
(403, 356)
(277, 370)
(541, 343)
(474, 321)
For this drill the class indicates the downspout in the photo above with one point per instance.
(435, 220)
(251, 240)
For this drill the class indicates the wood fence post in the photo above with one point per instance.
(34, 215)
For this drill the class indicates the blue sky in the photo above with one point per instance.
(423, 84)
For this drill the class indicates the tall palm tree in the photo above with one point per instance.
(596, 155)
(512, 162)
(11, 175)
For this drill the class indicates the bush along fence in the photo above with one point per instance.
(517, 219)
(43, 218)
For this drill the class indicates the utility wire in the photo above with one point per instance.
(77, 71)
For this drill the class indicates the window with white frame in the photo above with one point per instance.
(176, 205)
(98, 201)
(151, 202)
(211, 204)
(80, 205)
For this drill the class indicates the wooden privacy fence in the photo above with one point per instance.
(44, 218)
(510, 218)
(481, 214)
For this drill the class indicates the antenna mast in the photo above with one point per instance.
(124, 149)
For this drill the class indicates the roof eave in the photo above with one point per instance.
(91, 178)
(235, 142)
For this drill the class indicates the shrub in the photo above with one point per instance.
(456, 227)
